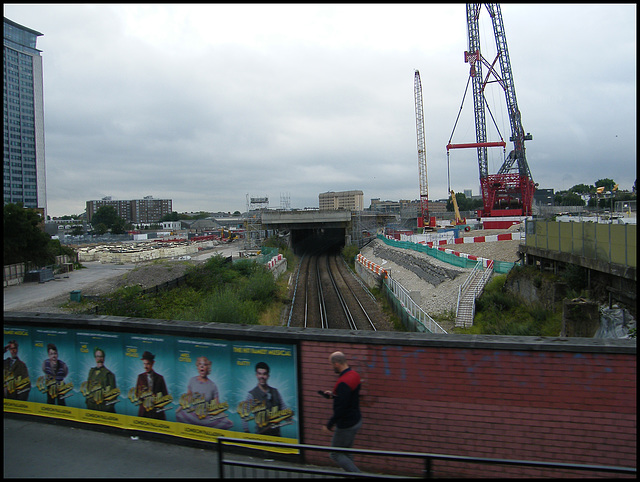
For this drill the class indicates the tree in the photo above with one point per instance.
(118, 226)
(173, 216)
(464, 204)
(25, 241)
(100, 228)
(583, 189)
(606, 183)
(571, 199)
(108, 216)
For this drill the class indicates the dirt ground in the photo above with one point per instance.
(146, 275)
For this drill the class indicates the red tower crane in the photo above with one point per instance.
(509, 192)
(423, 219)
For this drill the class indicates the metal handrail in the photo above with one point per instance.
(412, 307)
(427, 457)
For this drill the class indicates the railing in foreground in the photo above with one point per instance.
(426, 457)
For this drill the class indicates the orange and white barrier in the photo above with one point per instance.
(371, 266)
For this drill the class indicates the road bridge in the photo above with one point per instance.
(309, 230)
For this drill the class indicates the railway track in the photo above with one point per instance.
(327, 295)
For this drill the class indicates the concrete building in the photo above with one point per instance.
(23, 169)
(136, 211)
(543, 197)
(342, 200)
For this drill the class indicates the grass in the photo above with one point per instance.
(499, 312)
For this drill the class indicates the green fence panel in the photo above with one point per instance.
(631, 244)
(618, 243)
(553, 236)
(589, 237)
(603, 242)
(577, 239)
(565, 234)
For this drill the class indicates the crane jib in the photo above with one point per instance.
(477, 144)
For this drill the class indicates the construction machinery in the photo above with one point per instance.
(510, 191)
(459, 219)
(424, 221)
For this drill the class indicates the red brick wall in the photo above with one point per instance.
(567, 407)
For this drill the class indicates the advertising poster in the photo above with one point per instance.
(203, 388)
(266, 389)
(54, 370)
(16, 362)
(100, 365)
(190, 387)
(149, 380)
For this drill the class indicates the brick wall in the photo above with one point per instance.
(568, 407)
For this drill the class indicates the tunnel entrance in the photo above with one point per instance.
(317, 240)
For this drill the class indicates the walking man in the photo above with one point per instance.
(346, 418)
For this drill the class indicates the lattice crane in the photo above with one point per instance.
(510, 191)
(423, 219)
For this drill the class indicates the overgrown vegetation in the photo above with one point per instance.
(499, 312)
(216, 291)
(349, 253)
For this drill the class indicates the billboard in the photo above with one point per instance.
(197, 388)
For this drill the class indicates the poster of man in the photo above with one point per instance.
(99, 355)
(17, 383)
(266, 389)
(56, 366)
(203, 380)
(149, 364)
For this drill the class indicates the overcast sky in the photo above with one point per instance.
(206, 104)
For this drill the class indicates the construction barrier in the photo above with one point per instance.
(371, 266)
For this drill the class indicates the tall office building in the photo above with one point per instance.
(23, 119)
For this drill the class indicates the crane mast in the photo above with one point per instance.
(510, 191)
(423, 219)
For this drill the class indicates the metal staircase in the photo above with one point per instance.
(469, 292)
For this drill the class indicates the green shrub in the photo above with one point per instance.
(226, 306)
(260, 287)
(126, 301)
(349, 253)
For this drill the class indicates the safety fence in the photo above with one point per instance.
(413, 317)
(260, 469)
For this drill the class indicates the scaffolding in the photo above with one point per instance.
(254, 234)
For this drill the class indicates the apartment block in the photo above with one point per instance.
(342, 200)
(136, 211)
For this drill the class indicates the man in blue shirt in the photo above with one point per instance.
(346, 418)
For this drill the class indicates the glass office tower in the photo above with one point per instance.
(23, 115)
